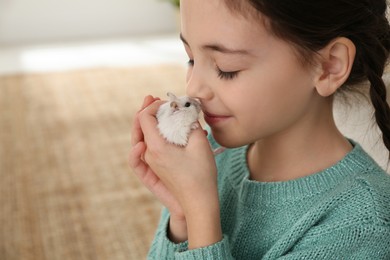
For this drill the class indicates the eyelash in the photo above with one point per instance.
(221, 74)
(227, 75)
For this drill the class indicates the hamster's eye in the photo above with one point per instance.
(187, 104)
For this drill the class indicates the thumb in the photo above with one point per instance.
(198, 137)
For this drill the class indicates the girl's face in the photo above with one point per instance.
(251, 84)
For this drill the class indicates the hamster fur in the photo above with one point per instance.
(177, 117)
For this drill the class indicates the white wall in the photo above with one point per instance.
(26, 21)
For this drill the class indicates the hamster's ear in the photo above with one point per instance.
(174, 105)
(171, 96)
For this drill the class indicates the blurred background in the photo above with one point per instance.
(72, 75)
(44, 35)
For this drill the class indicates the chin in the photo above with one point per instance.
(228, 140)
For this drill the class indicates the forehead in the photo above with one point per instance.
(242, 7)
(215, 20)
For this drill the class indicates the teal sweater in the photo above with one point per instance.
(342, 212)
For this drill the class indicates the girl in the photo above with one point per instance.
(290, 185)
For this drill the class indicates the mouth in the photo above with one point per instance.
(214, 119)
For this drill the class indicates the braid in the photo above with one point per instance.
(382, 110)
(373, 56)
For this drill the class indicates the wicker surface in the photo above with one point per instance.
(66, 191)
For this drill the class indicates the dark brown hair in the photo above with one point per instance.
(311, 24)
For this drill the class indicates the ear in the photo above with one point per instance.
(336, 65)
(174, 105)
(171, 96)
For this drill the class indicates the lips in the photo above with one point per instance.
(213, 119)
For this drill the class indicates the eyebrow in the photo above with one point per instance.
(218, 47)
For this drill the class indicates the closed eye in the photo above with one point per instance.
(228, 75)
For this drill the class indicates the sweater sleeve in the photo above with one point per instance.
(163, 248)
(220, 250)
(367, 241)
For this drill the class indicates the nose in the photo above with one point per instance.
(197, 84)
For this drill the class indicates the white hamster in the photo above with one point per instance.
(177, 117)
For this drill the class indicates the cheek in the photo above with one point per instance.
(273, 103)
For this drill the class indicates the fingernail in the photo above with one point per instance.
(145, 98)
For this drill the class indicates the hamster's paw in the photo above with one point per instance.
(195, 125)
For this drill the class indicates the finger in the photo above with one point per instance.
(141, 169)
(135, 156)
(136, 132)
(199, 133)
(137, 135)
(153, 107)
(148, 123)
(198, 138)
(148, 100)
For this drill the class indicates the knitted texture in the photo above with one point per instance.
(342, 212)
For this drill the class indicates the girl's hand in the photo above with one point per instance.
(188, 174)
(152, 181)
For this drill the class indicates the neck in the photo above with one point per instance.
(299, 151)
